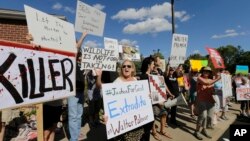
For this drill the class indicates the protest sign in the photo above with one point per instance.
(196, 65)
(111, 44)
(130, 52)
(178, 50)
(242, 69)
(30, 76)
(163, 65)
(49, 31)
(243, 94)
(127, 105)
(226, 80)
(98, 58)
(89, 19)
(157, 89)
(215, 57)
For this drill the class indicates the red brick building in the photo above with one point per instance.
(13, 25)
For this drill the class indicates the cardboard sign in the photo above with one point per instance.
(242, 69)
(29, 76)
(157, 89)
(196, 65)
(217, 60)
(127, 105)
(111, 44)
(243, 94)
(226, 80)
(89, 19)
(130, 53)
(49, 31)
(178, 50)
(98, 58)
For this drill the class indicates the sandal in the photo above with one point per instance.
(156, 136)
(166, 135)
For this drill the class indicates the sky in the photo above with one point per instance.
(147, 23)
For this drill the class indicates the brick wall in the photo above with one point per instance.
(13, 30)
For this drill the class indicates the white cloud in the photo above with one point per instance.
(57, 6)
(156, 11)
(196, 52)
(69, 9)
(148, 26)
(99, 6)
(90, 43)
(228, 33)
(128, 42)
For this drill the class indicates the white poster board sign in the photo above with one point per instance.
(163, 65)
(111, 44)
(178, 50)
(31, 76)
(243, 94)
(49, 31)
(98, 58)
(157, 89)
(89, 19)
(127, 105)
(226, 80)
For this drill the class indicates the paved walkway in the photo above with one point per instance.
(182, 133)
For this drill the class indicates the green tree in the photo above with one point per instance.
(231, 56)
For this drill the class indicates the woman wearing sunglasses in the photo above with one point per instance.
(127, 73)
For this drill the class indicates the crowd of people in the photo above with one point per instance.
(203, 91)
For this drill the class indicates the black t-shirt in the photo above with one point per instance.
(172, 84)
(79, 79)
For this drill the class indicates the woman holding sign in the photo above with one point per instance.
(148, 65)
(205, 101)
(127, 73)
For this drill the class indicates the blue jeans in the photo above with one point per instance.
(75, 111)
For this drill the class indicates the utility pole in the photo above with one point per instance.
(172, 10)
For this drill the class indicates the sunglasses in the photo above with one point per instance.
(126, 66)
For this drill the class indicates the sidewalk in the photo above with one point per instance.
(184, 132)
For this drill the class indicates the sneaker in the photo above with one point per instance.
(210, 127)
(244, 114)
(204, 132)
(198, 135)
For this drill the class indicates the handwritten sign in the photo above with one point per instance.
(226, 80)
(217, 60)
(130, 53)
(127, 105)
(50, 31)
(178, 50)
(98, 58)
(242, 69)
(89, 19)
(111, 44)
(157, 89)
(243, 94)
(29, 76)
(163, 64)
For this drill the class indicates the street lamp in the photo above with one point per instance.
(172, 10)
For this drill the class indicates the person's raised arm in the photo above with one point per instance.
(80, 41)
(99, 78)
(204, 81)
